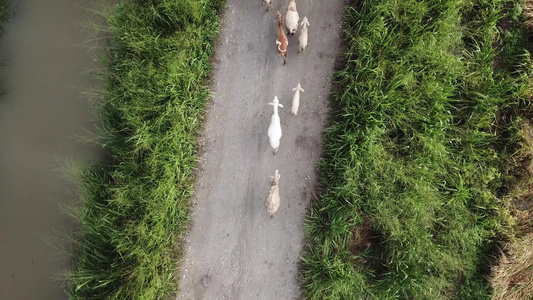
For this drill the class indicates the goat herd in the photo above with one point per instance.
(274, 130)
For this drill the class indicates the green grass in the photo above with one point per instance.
(134, 205)
(429, 103)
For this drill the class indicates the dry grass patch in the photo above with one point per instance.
(528, 14)
(511, 277)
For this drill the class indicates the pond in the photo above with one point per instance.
(43, 112)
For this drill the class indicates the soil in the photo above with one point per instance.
(234, 250)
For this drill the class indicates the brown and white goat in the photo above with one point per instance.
(281, 40)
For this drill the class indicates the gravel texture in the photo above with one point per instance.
(234, 250)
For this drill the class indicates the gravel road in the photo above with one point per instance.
(234, 250)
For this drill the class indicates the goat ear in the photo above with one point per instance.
(302, 90)
(294, 89)
(280, 105)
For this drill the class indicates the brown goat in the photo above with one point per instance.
(281, 39)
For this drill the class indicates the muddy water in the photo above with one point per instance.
(42, 113)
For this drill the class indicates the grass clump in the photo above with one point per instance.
(428, 105)
(5, 13)
(134, 205)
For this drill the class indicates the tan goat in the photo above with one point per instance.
(272, 200)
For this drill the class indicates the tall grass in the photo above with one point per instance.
(428, 105)
(135, 204)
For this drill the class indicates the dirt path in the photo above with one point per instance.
(234, 250)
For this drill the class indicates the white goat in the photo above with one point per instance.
(291, 18)
(274, 130)
(273, 201)
(303, 35)
(268, 4)
(296, 99)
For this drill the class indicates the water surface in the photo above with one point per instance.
(42, 113)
